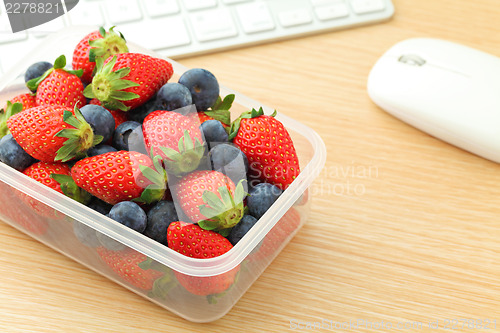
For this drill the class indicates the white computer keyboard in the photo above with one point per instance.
(178, 28)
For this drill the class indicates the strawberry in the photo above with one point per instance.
(57, 176)
(10, 110)
(98, 43)
(175, 137)
(52, 133)
(27, 100)
(121, 176)
(58, 86)
(268, 147)
(127, 80)
(119, 116)
(211, 199)
(195, 242)
(278, 235)
(127, 264)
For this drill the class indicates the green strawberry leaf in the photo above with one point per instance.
(70, 189)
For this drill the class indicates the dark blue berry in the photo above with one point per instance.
(173, 96)
(130, 215)
(100, 206)
(203, 86)
(261, 198)
(129, 136)
(99, 150)
(13, 155)
(140, 113)
(100, 119)
(214, 132)
(159, 218)
(85, 234)
(36, 70)
(241, 229)
(230, 160)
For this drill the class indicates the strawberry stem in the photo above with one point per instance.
(224, 212)
(80, 137)
(187, 158)
(111, 43)
(108, 86)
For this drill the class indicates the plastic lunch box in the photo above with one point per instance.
(51, 218)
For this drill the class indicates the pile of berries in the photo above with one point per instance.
(162, 158)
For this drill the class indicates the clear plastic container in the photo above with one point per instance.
(52, 218)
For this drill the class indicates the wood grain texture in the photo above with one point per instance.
(404, 228)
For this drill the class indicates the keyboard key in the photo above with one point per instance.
(168, 32)
(47, 28)
(199, 4)
(367, 6)
(122, 11)
(213, 24)
(295, 17)
(331, 12)
(157, 8)
(317, 3)
(87, 13)
(255, 17)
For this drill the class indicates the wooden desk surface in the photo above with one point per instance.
(418, 242)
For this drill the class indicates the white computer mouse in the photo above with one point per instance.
(448, 90)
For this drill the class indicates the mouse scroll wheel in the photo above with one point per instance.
(412, 60)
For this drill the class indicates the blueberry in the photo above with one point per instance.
(241, 229)
(100, 119)
(140, 113)
(173, 96)
(129, 136)
(100, 206)
(85, 234)
(229, 160)
(36, 70)
(261, 198)
(203, 86)
(99, 150)
(13, 155)
(159, 218)
(214, 132)
(130, 215)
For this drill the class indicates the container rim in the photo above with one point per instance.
(137, 241)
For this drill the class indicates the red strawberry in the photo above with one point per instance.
(127, 80)
(9, 110)
(120, 116)
(278, 235)
(127, 264)
(268, 147)
(27, 100)
(57, 176)
(175, 137)
(195, 242)
(58, 86)
(121, 176)
(211, 199)
(52, 133)
(97, 44)
(13, 210)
